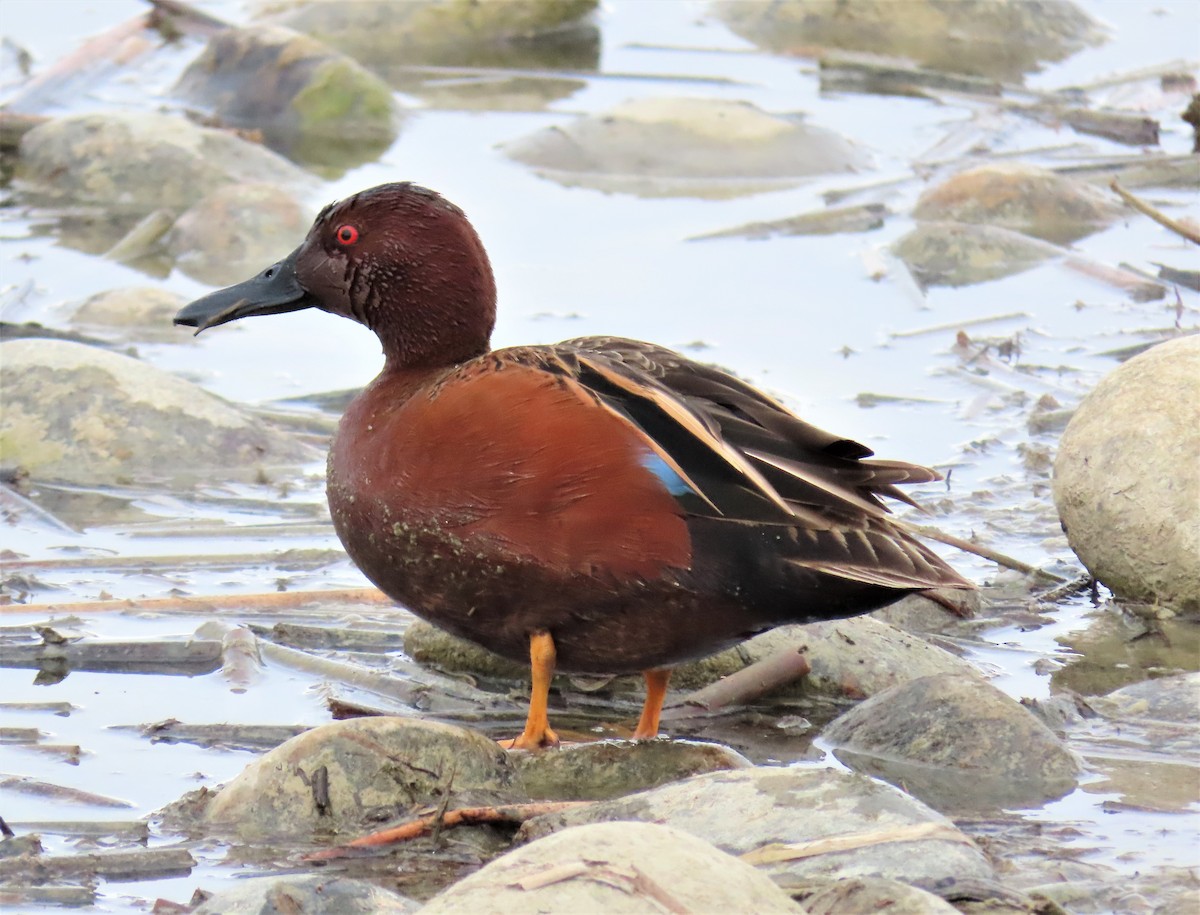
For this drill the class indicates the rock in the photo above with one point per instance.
(1034, 201)
(133, 312)
(376, 769)
(312, 103)
(426, 644)
(868, 894)
(314, 894)
(236, 231)
(1174, 699)
(684, 147)
(778, 813)
(850, 659)
(956, 742)
(615, 868)
(533, 34)
(997, 38)
(918, 614)
(141, 161)
(83, 415)
(598, 771)
(958, 254)
(1127, 480)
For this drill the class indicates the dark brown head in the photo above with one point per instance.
(398, 258)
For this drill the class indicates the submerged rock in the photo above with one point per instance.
(598, 771)
(1034, 201)
(774, 817)
(1127, 477)
(958, 743)
(79, 414)
(236, 231)
(311, 894)
(618, 869)
(132, 312)
(339, 776)
(684, 147)
(141, 161)
(1174, 699)
(868, 894)
(960, 254)
(998, 38)
(311, 103)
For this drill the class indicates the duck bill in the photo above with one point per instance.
(275, 291)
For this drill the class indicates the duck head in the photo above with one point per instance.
(398, 258)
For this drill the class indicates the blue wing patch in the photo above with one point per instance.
(675, 484)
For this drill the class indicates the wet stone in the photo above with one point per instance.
(236, 231)
(867, 894)
(960, 254)
(684, 147)
(1127, 481)
(956, 742)
(608, 769)
(782, 812)
(79, 414)
(1175, 699)
(141, 161)
(313, 104)
(1034, 201)
(484, 33)
(427, 644)
(615, 868)
(306, 895)
(996, 38)
(343, 776)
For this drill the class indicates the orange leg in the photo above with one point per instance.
(656, 692)
(537, 731)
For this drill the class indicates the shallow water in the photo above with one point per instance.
(799, 316)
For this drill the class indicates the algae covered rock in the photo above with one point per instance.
(141, 161)
(1127, 477)
(371, 768)
(311, 103)
(684, 147)
(1034, 201)
(618, 869)
(80, 414)
(960, 254)
(996, 38)
(958, 743)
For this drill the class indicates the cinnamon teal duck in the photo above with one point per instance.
(600, 505)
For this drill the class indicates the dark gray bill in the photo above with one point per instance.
(274, 291)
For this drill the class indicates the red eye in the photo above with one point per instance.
(346, 235)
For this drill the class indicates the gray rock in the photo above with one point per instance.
(607, 769)
(778, 817)
(427, 644)
(313, 104)
(141, 161)
(989, 38)
(133, 312)
(374, 768)
(959, 254)
(1034, 201)
(1164, 699)
(684, 147)
(868, 894)
(236, 231)
(618, 869)
(1127, 479)
(297, 894)
(85, 415)
(956, 742)
(850, 659)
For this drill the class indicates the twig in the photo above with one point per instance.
(794, 851)
(979, 550)
(1074, 586)
(1157, 215)
(746, 685)
(463, 816)
(273, 600)
(956, 325)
